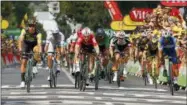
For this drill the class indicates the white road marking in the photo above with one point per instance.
(22, 92)
(124, 99)
(98, 98)
(76, 102)
(68, 75)
(44, 85)
(5, 86)
(108, 103)
(25, 97)
(71, 97)
(113, 94)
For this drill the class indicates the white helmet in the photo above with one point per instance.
(120, 34)
(55, 31)
(166, 33)
(86, 31)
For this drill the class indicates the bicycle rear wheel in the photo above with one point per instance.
(97, 78)
(171, 84)
(55, 79)
(51, 79)
(77, 79)
(118, 78)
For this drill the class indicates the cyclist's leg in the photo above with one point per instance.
(37, 58)
(115, 65)
(27, 48)
(49, 57)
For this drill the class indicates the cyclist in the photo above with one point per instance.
(86, 42)
(119, 44)
(152, 51)
(103, 41)
(140, 50)
(168, 46)
(28, 40)
(54, 41)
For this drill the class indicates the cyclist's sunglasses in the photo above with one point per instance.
(32, 25)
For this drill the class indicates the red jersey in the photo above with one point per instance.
(91, 41)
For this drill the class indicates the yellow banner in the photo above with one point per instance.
(4, 24)
(127, 20)
(120, 25)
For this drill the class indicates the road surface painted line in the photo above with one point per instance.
(76, 102)
(68, 75)
(98, 98)
(71, 97)
(108, 103)
(44, 85)
(113, 94)
(125, 99)
(89, 87)
(25, 97)
(21, 92)
(165, 101)
(5, 86)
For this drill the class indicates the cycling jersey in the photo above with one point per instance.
(152, 48)
(168, 47)
(91, 41)
(119, 46)
(141, 43)
(103, 43)
(30, 40)
(54, 40)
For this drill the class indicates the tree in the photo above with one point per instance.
(6, 8)
(91, 13)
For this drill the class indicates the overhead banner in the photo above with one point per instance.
(178, 3)
(127, 20)
(114, 10)
(120, 25)
(138, 14)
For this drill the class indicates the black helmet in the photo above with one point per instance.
(31, 22)
(100, 32)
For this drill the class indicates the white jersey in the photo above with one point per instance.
(54, 40)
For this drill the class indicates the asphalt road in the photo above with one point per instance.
(131, 92)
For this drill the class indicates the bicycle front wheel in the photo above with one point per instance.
(97, 78)
(28, 76)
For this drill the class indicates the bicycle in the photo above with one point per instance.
(109, 71)
(29, 73)
(52, 72)
(145, 72)
(83, 72)
(97, 72)
(153, 71)
(123, 57)
(167, 60)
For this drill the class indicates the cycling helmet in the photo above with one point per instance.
(100, 32)
(154, 39)
(86, 31)
(166, 33)
(31, 22)
(120, 34)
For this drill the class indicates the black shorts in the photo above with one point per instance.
(88, 48)
(102, 48)
(28, 47)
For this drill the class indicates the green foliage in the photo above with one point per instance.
(6, 8)
(41, 30)
(90, 13)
